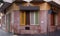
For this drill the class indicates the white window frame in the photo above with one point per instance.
(34, 19)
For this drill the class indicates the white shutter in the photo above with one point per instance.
(9, 1)
(27, 0)
(57, 1)
(1, 4)
(47, 0)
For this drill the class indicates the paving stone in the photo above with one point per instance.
(3, 33)
(56, 33)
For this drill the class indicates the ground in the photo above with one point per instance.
(56, 33)
(3, 33)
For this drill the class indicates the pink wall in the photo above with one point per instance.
(58, 20)
(43, 20)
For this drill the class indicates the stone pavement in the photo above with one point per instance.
(56, 33)
(3, 33)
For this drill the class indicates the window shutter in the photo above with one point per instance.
(22, 18)
(36, 17)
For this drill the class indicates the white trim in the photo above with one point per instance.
(34, 17)
(30, 19)
(27, 0)
(47, 0)
(57, 1)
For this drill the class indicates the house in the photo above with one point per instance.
(34, 17)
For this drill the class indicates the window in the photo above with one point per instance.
(29, 18)
(34, 18)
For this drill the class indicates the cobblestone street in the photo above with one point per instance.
(56, 33)
(3, 33)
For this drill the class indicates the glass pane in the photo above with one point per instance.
(32, 18)
(36, 17)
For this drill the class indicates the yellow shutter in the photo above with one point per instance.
(22, 18)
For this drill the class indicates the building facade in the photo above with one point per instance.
(34, 17)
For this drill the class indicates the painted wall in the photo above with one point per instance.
(44, 8)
